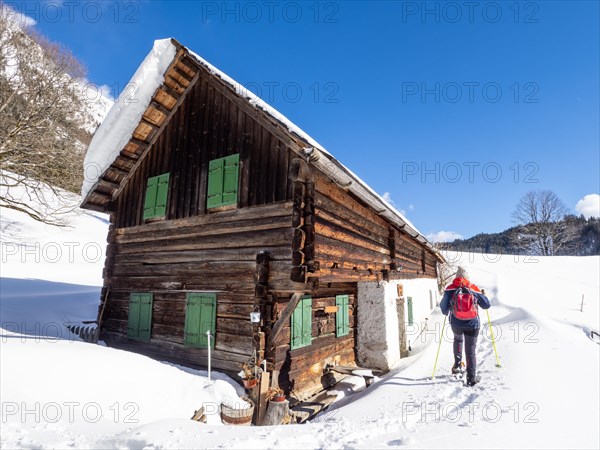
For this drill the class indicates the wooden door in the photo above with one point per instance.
(402, 326)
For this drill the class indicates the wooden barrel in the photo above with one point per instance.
(235, 416)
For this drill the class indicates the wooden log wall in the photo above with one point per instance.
(303, 221)
(209, 124)
(354, 243)
(412, 259)
(298, 257)
(214, 252)
(262, 303)
(301, 370)
(430, 265)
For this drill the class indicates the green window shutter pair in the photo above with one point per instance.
(139, 323)
(342, 322)
(301, 323)
(410, 310)
(223, 176)
(200, 317)
(157, 190)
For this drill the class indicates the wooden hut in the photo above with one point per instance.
(220, 207)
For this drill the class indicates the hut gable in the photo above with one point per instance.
(160, 87)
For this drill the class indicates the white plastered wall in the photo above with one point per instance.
(378, 336)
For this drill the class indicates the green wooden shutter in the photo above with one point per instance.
(150, 202)
(208, 315)
(223, 177)
(306, 321)
(157, 193)
(139, 324)
(342, 322)
(230, 179)
(160, 208)
(410, 310)
(192, 323)
(215, 183)
(145, 324)
(301, 324)
(133, 322)
(200, 316)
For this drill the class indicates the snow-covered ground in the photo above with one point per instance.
(58, 392)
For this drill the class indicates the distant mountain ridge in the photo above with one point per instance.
(583, 239)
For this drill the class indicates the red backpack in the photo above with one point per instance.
(464, 305)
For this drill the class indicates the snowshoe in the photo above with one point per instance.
(473, 381)
(458, 370)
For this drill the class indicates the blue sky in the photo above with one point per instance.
(453, 110)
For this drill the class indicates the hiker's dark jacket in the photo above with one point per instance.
(481, 300)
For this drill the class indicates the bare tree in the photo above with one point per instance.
(445, 270)
(42, 141)
(540, 214)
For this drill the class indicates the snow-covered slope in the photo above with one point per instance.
(71, 254)
(66, 393)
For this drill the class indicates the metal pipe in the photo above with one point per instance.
(208, 336)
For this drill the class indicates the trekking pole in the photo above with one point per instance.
(493, 340)
(438, 350)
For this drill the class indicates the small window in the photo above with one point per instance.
(301, 323)
(140, 316)
(223, 175)
(342, 325)
(157, 190)
(409, 301)
(200, 317)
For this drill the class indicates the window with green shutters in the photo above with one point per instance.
(301, 323)
(157, 191)
(342, 323)
(410, 310)
(139, 322)
(223, 175)
(200, 317)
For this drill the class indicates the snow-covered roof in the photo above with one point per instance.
(122, 119)
(120, 123)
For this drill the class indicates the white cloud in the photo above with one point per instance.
(388, 198)
(444, 236)
(16, 17)
(589, 206)
(106, 91)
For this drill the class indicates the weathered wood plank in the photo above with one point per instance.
(208, 229)
(284, 318)
(192, 357)
(266, 238)
(282, 253)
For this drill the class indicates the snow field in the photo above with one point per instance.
(57, 392)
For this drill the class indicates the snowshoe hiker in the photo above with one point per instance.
(461, 300)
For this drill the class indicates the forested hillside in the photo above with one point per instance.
(582, 238)
(48, 113)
